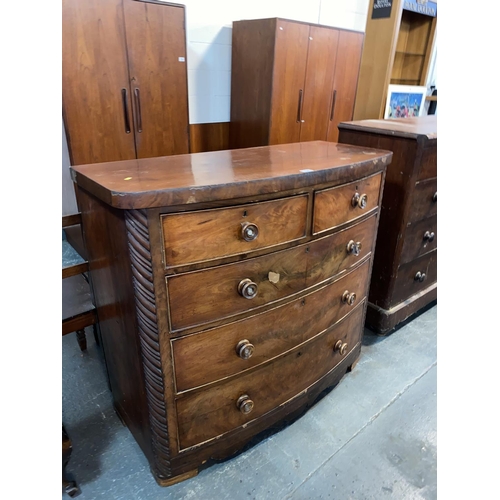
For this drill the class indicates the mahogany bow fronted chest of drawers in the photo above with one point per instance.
(230, 288)
(405, 263)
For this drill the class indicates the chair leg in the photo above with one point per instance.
(69, 485)
(96, 335)
(82, 339)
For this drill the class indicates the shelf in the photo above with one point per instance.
(405, 81)
(409, 53)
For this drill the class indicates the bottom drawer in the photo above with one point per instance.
(414, 277)
(214, 411)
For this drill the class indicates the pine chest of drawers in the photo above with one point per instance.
(405, 263)
(230, 288)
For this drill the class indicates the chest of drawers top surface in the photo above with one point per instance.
(423, 126)
(222, 175)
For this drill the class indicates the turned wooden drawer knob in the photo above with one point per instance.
(348, 298)
(429, 236)
(249, 231)
(435, 197)
(244, 349)
(354, 247)
(359, 200)
(420, 276)
(245, 404)
(340, 347)
(247, 288)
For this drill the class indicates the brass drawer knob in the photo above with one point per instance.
(247, 288)
(420, 276)
(245, 404)
(354, 247)
(435, 197)
(359, 200)
(348, 298)
(249, 231)
(340, 347)
(429, 236)
(244, 349)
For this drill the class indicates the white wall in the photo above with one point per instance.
(209, 29)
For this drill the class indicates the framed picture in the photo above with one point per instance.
(405, 101)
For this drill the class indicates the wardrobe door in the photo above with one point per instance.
(290, 55)
(156, 44)
(320, 69)
(95, 85)
(345, 80)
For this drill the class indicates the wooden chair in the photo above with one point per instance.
(78, 310)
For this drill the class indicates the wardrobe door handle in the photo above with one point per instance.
(334, 98)
(125, 111)
(137, 98)
(299, 108)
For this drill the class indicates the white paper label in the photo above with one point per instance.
(181, 59)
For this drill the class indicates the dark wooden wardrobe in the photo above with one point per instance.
(124, 79)
(291, 81)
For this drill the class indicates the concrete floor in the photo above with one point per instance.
(372, 437)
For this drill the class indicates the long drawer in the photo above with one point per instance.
(214, 411)
(428, 164)
(218, 353)
(335, 206)
(206, 235)
(203, 296)
(424, 200)
(420, 238)
(415, 276)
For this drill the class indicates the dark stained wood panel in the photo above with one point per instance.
(219, 231)
(272, 333)
(94, 75)
(350, 47)
(406, 283)
(321, 59)
(208, 137)
(251, 77)
(428, 163)
(398, 127)
(290, 56)
(415, 241)
(156, 43)
(223, 175)
(424, 200)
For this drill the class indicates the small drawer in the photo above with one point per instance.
(213, 411)
(428, 164)
(341, 204)
(331, 255)
(424, 200)
(420, 238)
(414, 277)
(211, 234)
(218, 353)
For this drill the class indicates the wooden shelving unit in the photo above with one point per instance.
(397, 50)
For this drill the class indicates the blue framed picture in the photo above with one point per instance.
(405, 101)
